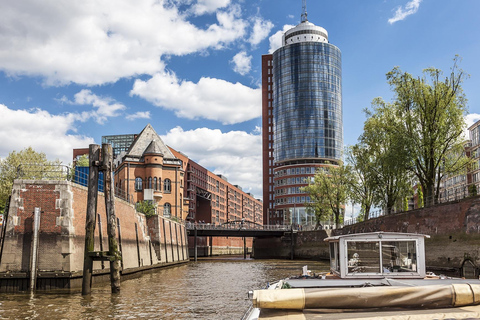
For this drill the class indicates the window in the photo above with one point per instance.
(138, 184)
(167, 185)
(167, 209)
(149, 183)
(155, 185)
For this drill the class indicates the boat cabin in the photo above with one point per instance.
(378, 255)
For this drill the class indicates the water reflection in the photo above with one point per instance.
(208, 289)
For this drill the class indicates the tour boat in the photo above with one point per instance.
(379, 275)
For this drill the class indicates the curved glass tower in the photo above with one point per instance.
(301, 119)
(307, 97)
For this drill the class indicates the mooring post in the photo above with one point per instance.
(292, 245)
(100, 237)
(113, 252)
(244, 248)
(94, 161)
(195, 243)
(34, 255)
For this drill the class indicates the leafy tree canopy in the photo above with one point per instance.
(26, 164)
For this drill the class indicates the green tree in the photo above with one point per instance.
(82, 161)
(432, 110)
(26, 164)
(387, 153)
(364, 182)
(472, 190)
(146, 207)
(328, 192)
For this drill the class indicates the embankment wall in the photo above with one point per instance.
(145, 243)
(454, 230)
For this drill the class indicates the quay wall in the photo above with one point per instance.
(454, 230)
(217, 246)
(145, 243)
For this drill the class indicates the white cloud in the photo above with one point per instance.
(242, 63)
(101, 41)
(401, 13)
(261, 29)
(209, 98)
(208, 6)
(44, 132)
(276, 38)
(470, 119)
(106, 107)
(234, 154)
(138, 115)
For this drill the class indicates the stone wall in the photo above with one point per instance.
(144, 244)
(454, 230)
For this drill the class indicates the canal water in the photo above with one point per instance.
(208, 289)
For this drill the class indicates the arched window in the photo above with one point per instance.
(167, 185)
(138, 184)
(149, 183)
(155, 185)
(167, 208)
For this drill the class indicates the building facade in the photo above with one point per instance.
(178, 186)
(302, 119)
(474, 172)
(149, 171)
(212, 199)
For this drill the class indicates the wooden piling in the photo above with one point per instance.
(113, 252)
(94, 161)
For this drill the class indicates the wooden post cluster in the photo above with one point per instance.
(113, 254)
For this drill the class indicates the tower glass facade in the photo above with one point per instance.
(307, 103)
(302, 120)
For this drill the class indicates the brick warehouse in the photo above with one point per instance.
(179, 187)
(145, 243)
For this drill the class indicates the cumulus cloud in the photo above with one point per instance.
(402, 12)
(101, 41)
(138, 115)
(208, 6)
(209, 98)
(234, 154)
(44, 132)
(276, 38)
(242, 63)
(105, 107)
(261, 30)
(470, 119)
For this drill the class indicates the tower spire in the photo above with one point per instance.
(304, 11)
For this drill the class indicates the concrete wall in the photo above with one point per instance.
(454, 230)
(62, 232)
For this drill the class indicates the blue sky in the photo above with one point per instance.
(72, 71)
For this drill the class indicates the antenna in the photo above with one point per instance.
(304, 11)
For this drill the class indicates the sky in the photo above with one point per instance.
(72, 71)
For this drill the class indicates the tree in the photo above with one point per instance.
(364, 182)
(432, 110)
(387, 153)
(26, 164)
(82, 161)
(328, 192)
(146, 207)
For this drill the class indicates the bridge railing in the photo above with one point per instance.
(236, 226)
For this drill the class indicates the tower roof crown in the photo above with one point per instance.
(305, 32)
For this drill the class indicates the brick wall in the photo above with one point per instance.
(62, 230)
(454, 230)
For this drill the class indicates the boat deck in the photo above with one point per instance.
(470, 312)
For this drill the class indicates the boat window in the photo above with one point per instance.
(363, 256)
(334, 257)
(399, 256)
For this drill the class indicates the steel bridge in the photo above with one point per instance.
(239, 228)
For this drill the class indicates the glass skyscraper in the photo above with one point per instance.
(302, 119)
